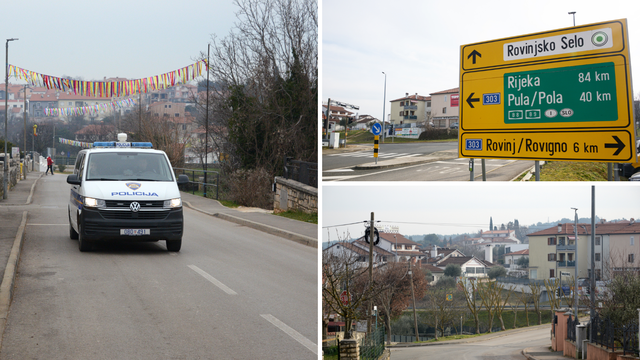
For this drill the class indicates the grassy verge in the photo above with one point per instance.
(573, 171)
(300, 216)
(366, 137)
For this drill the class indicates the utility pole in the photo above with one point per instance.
(24, 149)
(592, 280)
(415, 318)
(371, 240)
(206, 128)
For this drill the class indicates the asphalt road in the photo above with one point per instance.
(507, 347)
(231, 293)
(336, 160)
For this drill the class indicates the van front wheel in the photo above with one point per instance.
(174, 245)
(83, 245)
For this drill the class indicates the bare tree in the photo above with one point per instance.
(501, 302)
(470, 290)
(553, 287)
(394, 289)
(536, 290)
(265, 102)
(525, 299)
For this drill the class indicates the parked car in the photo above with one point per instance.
(454, 125)
(629, 169)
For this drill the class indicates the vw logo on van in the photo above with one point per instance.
(135, 206)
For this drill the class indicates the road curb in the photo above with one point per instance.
(6, 287)
(301, 239)
(32, 189)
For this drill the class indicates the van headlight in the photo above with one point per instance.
(94, 203)
(173, 203)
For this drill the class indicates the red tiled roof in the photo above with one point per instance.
(521, 252)
(414, 97)
(450, 91)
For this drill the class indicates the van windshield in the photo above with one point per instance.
(119, 166)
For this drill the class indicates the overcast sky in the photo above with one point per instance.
(115, 38)
(462, 208)
(417, 43)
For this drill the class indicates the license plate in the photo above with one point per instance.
(135, 232)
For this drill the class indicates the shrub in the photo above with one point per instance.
(251, 188)
(497, 271)
(61, 167)
(438, 134)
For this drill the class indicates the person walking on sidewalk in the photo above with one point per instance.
(49, 165)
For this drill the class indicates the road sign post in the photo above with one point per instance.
(557, 95)
(376, 129)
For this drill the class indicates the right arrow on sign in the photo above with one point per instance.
(471, 100)
(618, 145)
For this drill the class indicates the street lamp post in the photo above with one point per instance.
(574, 17)
(384, 102)
(6, 106)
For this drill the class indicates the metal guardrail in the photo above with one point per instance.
(195, 183)
(301, 171)
(603, 332)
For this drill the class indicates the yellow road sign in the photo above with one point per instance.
(571, 85)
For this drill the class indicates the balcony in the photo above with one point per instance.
(566, 263)
(410, 107)
(565, 247)
(411, 117)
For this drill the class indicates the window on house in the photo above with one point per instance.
(597, 256)
(552, 273)
(597, 240)
(444, 110)
(561, 256)
(551, 257)
(598, 275)
(177, 115)
(561, 240)
(631, 240)
(631, 258)
(533, 274)
(551, 241)
(400, 113)
(570, 257)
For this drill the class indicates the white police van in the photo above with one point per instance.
(125, 191)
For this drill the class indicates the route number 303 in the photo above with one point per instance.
(473, 144)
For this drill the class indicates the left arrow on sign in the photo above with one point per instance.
(475, 54)
(471, 100)
(618, 145)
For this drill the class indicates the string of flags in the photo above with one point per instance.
(75, 143)
(110, 88)
(90, 110)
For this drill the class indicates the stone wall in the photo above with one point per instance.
(292, 195)
(14, 172)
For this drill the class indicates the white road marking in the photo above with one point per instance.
(67, 224)
(289, 331)
(339, 170)
(213, 280)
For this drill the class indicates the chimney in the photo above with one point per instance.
(632, 221)
(559, 228)
(488, 253)
(434, 251)
(406, 94)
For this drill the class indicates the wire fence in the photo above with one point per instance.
(372, 345)
(207, 182)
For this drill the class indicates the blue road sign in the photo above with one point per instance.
(376, 129)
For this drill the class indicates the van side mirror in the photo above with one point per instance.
(183, 179)
(73, 179)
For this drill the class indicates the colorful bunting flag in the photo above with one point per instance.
(114, 88)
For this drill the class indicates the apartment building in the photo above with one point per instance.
(445, 107)
(553, 252)
(410, 109)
